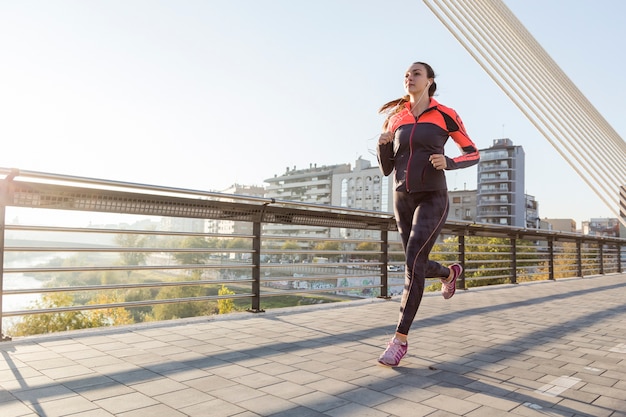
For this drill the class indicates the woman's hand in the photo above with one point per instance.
(385, 138)
(438, 161)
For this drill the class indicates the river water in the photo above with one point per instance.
(20, 301)
(20, 281)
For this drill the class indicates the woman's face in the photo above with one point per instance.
(415, 79)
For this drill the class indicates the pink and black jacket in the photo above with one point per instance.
(415, 139)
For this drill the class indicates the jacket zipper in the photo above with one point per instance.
(408, 165)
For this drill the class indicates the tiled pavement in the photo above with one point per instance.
(540, 349)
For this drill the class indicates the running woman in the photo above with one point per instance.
(412, 147)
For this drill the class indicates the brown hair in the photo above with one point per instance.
(395, 106)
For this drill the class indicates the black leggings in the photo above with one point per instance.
(420, 218)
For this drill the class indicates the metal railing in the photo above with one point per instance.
(156, 253)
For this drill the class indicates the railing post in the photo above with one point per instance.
(619, 258)
(384, 274)
(4, 195)
(579, 257)
(461, 239)
(601, 250)
(256, 268)
(514, 260)
(551, 259)
(2, 227)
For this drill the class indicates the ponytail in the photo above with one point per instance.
(394, 106)
(391, 108)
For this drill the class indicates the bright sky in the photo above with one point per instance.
(203, 93)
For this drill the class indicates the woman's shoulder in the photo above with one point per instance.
(448, 110)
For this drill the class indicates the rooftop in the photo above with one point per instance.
(550, 348)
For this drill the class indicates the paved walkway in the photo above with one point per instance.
(540, 349)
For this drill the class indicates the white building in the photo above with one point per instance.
(313, 185)
(363, 188)
(230, 227)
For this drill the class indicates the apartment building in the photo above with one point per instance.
(230, 227)
(462, 205)
(364, 187)
(501, 198)
(313, 185)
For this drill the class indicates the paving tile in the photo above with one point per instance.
(45, 393)
(64, 406)
(319, 401)
(102, 391)
(451, 404)
(125, 402)
(15, 408)
(216, 408)
(356, 410)
(184, 398)
(404, 407)
(235, 393)
(158, 387)
(286, 390)
(151, 411)
(267, 405)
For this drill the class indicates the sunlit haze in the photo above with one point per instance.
(203, 94)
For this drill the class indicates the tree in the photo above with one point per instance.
(290, 245)
(368, 247)
(131, 240)
(225, 305)
(193, 257)
(179, 310)
(328, 246)
(71, 320)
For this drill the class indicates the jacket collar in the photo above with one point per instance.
(433, 103)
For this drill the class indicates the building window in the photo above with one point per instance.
(344, 193)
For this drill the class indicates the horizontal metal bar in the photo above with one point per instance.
(124, 286)
(56, 229)
(113, 249)
(320, 278)
(125, 268)
(317, 290)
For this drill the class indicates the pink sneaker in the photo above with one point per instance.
(394, 353)
(448, 289)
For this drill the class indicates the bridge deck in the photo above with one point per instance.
(539, 349)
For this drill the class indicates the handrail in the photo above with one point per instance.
(318, 248)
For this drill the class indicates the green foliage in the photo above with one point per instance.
(179, 309)
(290, 245)
(238, 243)
(225, 305)
(193, 257)
(445, 252)
(368, 246)
(329, 245)
(144, 313)
(127, 240)
(70, 320)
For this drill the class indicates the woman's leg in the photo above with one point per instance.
(428, 219)
(404, 208)
(420, 218)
